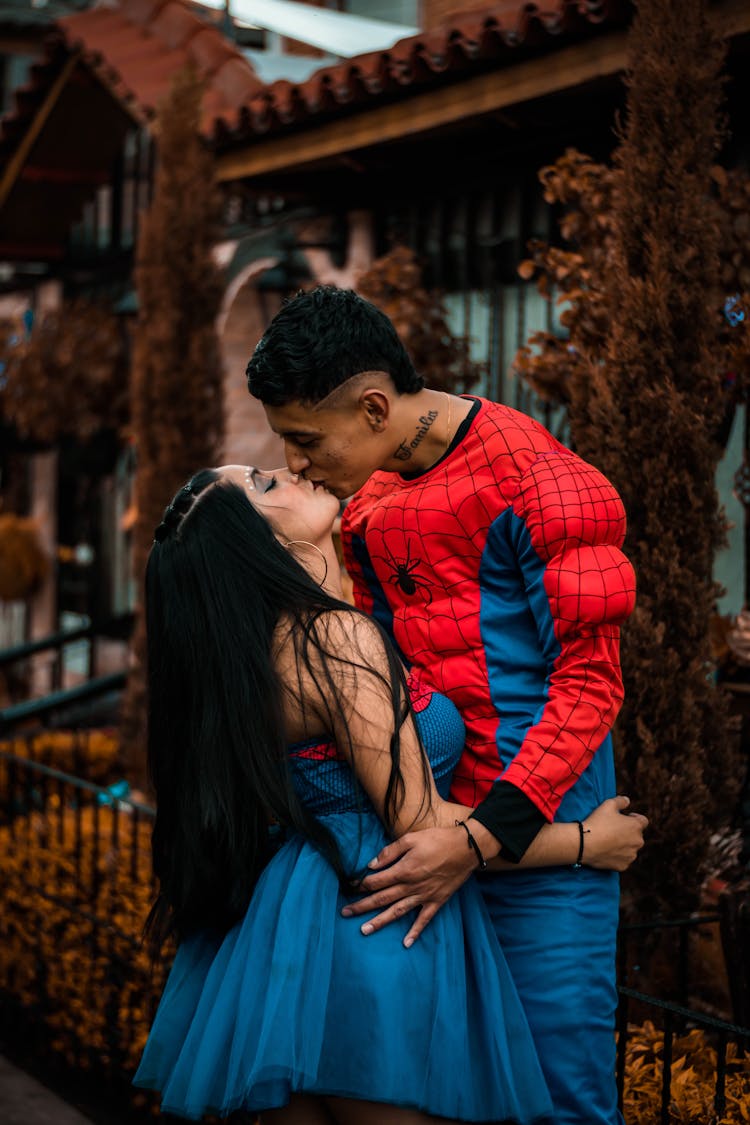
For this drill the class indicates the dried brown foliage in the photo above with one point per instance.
(177, 389)
(693, 1080)
(733, 189)
(23, 562)
(394, 284)
(89, 754)
(578, 274)
(76, 890)
(69, 377)
(73, 902)
(653, 243)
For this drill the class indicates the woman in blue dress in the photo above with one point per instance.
(286, 747)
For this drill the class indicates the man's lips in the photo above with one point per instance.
(317, 484)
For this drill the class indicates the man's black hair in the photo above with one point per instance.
(320, 339)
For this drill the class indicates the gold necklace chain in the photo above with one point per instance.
(448, 427)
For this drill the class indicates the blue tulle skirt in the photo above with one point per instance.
(295, 999)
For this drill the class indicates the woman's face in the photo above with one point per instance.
(295, 508)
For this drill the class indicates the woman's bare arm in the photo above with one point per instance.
(363, 721)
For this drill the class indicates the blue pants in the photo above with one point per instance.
(558, 931)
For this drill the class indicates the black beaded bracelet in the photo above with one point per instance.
(581, 833)
(481, 861)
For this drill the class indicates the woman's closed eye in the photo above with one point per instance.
(269, 485)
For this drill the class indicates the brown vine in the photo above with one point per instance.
(394, 284)
(69, 376)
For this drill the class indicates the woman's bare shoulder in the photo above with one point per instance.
(332, 647)
(342, 648)
(339, 631)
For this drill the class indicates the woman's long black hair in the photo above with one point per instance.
(217, 585)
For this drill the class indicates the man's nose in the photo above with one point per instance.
(296, 459)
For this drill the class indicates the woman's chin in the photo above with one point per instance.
(333, 503)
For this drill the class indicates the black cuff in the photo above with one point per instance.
(511, 817)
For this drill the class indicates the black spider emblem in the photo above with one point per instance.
(404, 575)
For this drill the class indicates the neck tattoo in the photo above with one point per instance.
(426, 421)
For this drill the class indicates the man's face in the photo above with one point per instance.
(334, 447)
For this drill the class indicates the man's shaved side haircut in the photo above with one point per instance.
(319, 340)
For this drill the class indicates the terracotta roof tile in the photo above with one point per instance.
(137, 48)
(492, 36)
(173, 25)
(143, 11)
(210, 51)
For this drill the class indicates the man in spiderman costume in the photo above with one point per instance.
(491, 554)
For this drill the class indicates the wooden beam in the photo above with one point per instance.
(470, 98)
(20, 156)
(483, 94)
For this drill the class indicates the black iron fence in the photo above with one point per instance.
(75, 890)
(54, 705)
(674, 1019)
(56, 645)
(632, 937)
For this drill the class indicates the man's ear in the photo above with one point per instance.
(376, 407)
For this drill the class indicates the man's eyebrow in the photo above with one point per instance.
(292, 433)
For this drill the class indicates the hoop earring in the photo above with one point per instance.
(306, 543)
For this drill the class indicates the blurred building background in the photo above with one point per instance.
(340, 130)
(356, 143)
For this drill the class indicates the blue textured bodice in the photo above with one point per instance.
(325, 783)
